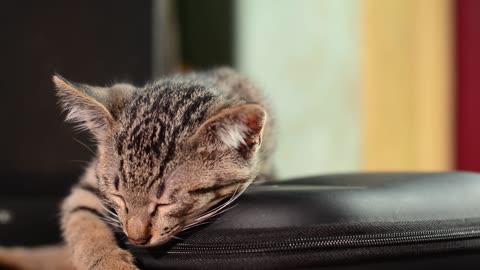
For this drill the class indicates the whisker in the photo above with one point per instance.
(234, 196)
(222, 211)
(220, 206)
(205, 217)
(86, 146)
(110, 211)
(195, 225)
(111, 221)
(79, 161)
(115, 226)
(217, 210)
(112, 216)
(115, 218)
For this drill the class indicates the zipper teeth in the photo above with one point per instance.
(380, 239)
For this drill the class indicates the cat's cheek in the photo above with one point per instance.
(158, 242)
(163, 228)
(162, 238)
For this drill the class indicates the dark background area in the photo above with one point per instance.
(94, 42)
(206, 32)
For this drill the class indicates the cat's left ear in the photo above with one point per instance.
(240, 127)
(86, 105)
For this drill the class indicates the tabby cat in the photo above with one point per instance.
(166, 154)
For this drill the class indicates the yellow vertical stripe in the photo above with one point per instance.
(406, 84)
(434, 85)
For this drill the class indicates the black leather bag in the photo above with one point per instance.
(354, 221)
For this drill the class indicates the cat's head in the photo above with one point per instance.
(167, 152)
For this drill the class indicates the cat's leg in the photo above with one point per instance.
(41, 258)
(91, 241)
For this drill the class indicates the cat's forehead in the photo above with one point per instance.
(149, 134)
(169, 102)
(160, 115)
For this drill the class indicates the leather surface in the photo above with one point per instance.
(334, 205)
(351, 198)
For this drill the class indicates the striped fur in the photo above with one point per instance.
(167, 153)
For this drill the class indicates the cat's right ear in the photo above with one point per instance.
(83, 105)
(239, 127)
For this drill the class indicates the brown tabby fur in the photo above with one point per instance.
(166, 153)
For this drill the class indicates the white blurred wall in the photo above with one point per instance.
(304, 55)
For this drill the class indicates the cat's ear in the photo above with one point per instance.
(85, 105)
(240, 127)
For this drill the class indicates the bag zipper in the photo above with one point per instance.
(352, 241)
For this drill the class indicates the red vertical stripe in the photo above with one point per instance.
(468, 85)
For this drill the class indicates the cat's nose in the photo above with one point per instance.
(138, 230)
(140, 241)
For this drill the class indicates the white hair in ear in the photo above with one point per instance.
(233, 135)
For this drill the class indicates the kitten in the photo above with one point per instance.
(166, 153)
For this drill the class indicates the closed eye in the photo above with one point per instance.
(158, 205)
(120, 201)
(216, 187)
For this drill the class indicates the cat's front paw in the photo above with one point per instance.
(117, 259)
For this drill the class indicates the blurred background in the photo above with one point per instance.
(355, 84)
